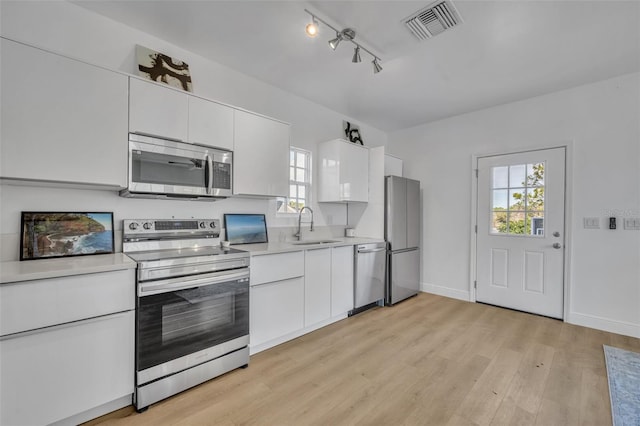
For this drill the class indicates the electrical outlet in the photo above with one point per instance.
(591, 223)
(632, 223)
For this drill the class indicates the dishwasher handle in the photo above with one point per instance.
(371, 250)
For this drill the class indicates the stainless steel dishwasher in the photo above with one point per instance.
(369, 283)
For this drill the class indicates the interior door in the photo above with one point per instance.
(520, 234)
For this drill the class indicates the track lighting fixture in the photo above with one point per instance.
(347, 34)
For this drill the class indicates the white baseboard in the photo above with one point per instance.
(96, 412)
(605, 324)
(446, 291)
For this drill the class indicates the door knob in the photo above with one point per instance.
(556, 245)
(556, 234)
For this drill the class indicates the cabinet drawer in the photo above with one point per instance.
(49, 375)
(276, 267)
(277, 309)
(40, 303)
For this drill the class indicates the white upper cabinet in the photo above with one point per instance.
(210, 123)
(62, 120)
(171, 114)
(158, 111)
(343, 172)
(261, 156)
(392, 165)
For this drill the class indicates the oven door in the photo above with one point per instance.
(186, 321)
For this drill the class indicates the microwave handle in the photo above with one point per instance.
(208, 175)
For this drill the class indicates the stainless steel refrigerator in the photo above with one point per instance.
(402, 232)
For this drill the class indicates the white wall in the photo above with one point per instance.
(601, 123)
(70, 30)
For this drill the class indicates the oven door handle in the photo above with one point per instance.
(174, 284)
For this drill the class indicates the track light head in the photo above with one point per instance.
(336, 41)
(312, 28)
(376, 66)
(356, 55)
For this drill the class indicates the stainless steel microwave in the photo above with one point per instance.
(160, 168)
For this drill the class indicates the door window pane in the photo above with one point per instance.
(500, 177)
(500, 199)
(516, 175)
(518, 206)
(516, 199)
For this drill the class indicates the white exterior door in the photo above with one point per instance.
(520, 235)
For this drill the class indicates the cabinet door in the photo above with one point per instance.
(65, 370)
(354, 173)
(317, 286)
(276, 310)
(62, 120)
(343, 172)
(341, 280)
(261, 156)
(158, 111)
(210, 123)
(392, 165)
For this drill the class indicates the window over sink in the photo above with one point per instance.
(299, 182)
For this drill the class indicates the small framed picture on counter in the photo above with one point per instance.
(63, 234)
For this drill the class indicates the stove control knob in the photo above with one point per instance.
(133, 226)
(147, 225)
(213, 225)
(202, 225)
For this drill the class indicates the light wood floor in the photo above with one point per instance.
(427, 361)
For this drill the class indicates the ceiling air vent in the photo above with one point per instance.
(433, 19)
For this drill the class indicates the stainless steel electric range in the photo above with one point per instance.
(192, 318)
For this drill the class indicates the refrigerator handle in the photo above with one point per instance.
(403, 250)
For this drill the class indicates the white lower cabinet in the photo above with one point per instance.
(54, 373)
(342, 296)
(317, 286)
(297, 292)
(66, 347)
(276, 310)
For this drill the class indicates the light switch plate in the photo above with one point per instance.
(632, 223)
(591, 223)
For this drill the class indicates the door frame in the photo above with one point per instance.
(568, 215)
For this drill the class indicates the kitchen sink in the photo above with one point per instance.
(314, 242)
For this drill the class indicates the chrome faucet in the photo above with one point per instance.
(299, 233)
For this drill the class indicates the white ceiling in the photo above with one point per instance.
(503, 52)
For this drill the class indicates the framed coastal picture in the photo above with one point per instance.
(161, 68)
(62, 234)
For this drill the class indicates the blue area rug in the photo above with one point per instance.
(623, 371)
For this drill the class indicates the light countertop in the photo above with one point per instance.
(16, 271)
(289, 246)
